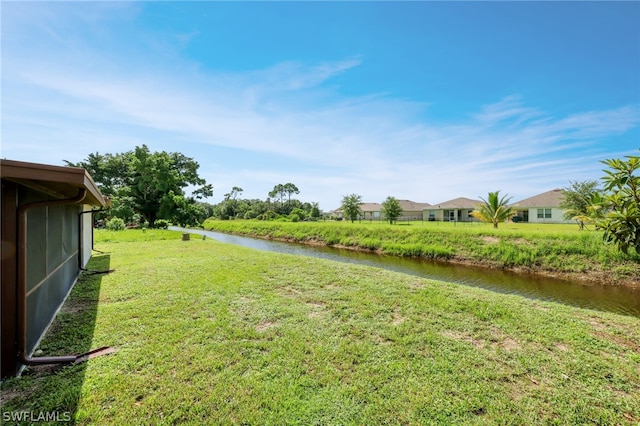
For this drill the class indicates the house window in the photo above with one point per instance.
(544, 213)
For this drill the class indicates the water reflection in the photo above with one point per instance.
(623, 300)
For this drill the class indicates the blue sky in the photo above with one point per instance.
(425, 101)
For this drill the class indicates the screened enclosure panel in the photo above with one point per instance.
(44, 302)
(40, 262)
(53, 238)
(36, 247)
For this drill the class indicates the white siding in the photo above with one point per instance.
(557, 215)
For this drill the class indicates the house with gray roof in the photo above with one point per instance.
(541, 208)
(411, 210)
(371, 211)
(456, 210)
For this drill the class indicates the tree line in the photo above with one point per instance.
(149, 188)
(278, 205)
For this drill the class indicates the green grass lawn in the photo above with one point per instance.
(208, 333)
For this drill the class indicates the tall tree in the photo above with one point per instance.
(231, 202)
(157, 178)
(235, 191)
(391, 209)
(109, 171)
(182, 211)
(289, 189)
(279, 192)
(351, 206)
(150, 183)
(621, 222)
(578, 201)
(494, 209)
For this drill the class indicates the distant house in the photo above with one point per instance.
(541, 208)
(371, 211)
(411, 210)
(47, 236)
(456, 210)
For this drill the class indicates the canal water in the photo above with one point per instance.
(619, 299)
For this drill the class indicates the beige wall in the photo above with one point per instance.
(460, 215)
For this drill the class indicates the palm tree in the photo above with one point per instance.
(579, 201)
(593, 212)
(494, 209)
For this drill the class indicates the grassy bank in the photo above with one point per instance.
(208, 333)
(544, 248)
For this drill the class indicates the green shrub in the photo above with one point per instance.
(161, 224)
(115, 224)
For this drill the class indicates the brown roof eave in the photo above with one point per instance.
(57, 181)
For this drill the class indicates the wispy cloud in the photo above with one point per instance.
(372, 145)
(294, 76)
(287, 123)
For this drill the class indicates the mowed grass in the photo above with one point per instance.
(208, 333)
(546, 248)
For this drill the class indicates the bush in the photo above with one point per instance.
(161, 224)
(116, 224)
(298, 212)
(269, 215)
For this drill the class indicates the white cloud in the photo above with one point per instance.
(285, 124)
(370, 145)
(293, 76)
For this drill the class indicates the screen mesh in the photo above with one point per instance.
(52, 263)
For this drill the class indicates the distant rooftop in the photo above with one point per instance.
(551, 198)
(458, 203)
(370, 207)
(406, 205)
(412, 206)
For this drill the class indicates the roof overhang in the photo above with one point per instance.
(57, 181)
